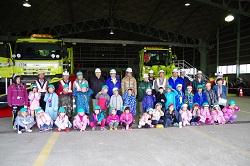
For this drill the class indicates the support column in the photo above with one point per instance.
(218, 50)
(238, 49)
(203, 57)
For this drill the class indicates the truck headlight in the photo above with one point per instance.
(18, 55)
(57, 56)
(53, 56)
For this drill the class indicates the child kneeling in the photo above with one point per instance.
(158, 114)
(172, 117)
(126, 118)
(62, 121)
(81, 120)
(97, 118)
(23, 121)
(113, 118)
(43, 120)
(145, 121)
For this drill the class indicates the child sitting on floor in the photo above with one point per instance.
(229, 110)
(113, 119)
(145, 121)
(172, 116)
(43, 120)
(23, 121)
(205, 113)
(157, 115)
(81, 120)
(126, 118)
(97, 118)
(196, 115)
(62, 121)
(186, 115)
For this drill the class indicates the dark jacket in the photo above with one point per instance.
(211, 97)
(143, 86)
(96, 85)
(196, 83)
(186, 82)
(161, 98)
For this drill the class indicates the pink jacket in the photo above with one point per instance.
(80, 124)
(112, 117)
(17, 95)
(46, 119)
(34, 100)
(126, 118)
(205, 113)
(227, 111)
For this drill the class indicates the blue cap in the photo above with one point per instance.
(81, 110)
(111, 108)
(105, 86)
(79, 73)
(38, 110)
(65, 86)
(23, 110)
(199, 87)
(231, 102)
(51, 86)
(97, 107)
(149, 109)
(205, 104)
(83, 86)
(61, 109)
(169, 87)
(34, 86)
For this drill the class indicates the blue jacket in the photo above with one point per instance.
(51, 105)
(171, 98)
(97, 118)
(186, 82)
(82, 99)
(130, 101)
(200, 100)
(175, 83)
(148, 102)
(224, 91)
(111, 85)
(179, 100)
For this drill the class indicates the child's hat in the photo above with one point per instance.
(61, 110)
(51, 86)
(65, 73)
(171, 104)
(196, 105)
(105, 87)
(199, 87)
(38, 110)
(125, 108)
(208, 84)
(129, 88)
(158, 104)
(189, 87)
(115, 88)
(179, 85)
(205, 104)
(23, 110)
(216, 105)
(145, 76)
(111, 108)
(160, 71)
(231, 102)
(83, 86)
(97, 107)
(79, 73)
(169, 87)
(184, 105)
(112, 71)
(97, 70)
(149, 109)
(148, 89)
(80, 110)
(34, 85)
(151, 72)
(65, 86)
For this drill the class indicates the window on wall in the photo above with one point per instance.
(231, 69)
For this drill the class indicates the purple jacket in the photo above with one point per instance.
(148, 102)
(17, 95)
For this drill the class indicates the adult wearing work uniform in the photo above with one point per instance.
(185, 80)
(65, 80)
(160, 82)
(42, 85)
(129, 81)
(199, 80)
(17, 97)
(96, 84)
(142, 87)
(151, 76)
(112, 82)
(175, 80)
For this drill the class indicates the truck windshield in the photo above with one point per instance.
(39, 50)
(4, 50)
(155, 57)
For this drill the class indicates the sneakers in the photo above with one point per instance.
(103, 129)
(93, 128)
(29, 130)
(111, 128)
(115, 128)
(19, 132)
(58, 130)
(67, 130)
(192, 123)
(231, 122)
(130, 128)
(40, 131)
(123, 128)
(139, 126)
(176, 124)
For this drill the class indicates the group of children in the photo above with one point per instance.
(168, 106)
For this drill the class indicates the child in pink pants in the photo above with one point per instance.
(97, 118)
(217, 115)
(205, 113)
(229, 110)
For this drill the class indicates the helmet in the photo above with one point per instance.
(97, 70)
(129, 70)
(112, 71)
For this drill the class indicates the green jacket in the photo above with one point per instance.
(143, 86)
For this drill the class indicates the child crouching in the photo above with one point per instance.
(23, 121)
(157, 115)
(186, 115)
(145, 121)
(43, 120)
(113, 119)
(81, 120)
(229, 110)
(97, 118)
(205, 113)
(126, 118)
(196, 115)
(62, 121)
(172, 117)
(217, 115)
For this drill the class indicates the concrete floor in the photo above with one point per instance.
(193, 145)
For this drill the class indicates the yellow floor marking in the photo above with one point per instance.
(220, 142)
(41, 159)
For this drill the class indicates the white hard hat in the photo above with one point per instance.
(151, 72)
(65, 73)
(145, 75)
(179, 85)
(161, 71)
(97, 70)
(175, 70)
(112, 71)
(148, 89)
(129, 70)
(182, 70)
(199, 72)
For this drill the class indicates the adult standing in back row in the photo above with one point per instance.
(42, 86)
(112, 82)
(96, 84)
(185, 79)
(129, 81)
(175, 80)
(160, 82)
(199, 80)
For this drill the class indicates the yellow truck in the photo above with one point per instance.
(6, 65)
(156, 58)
